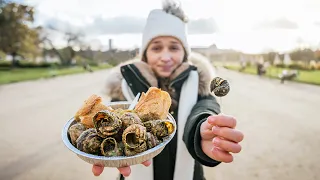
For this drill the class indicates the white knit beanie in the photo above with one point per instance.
(161, 23)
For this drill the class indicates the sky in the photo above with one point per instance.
(250, 26)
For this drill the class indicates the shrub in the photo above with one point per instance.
(27, 64)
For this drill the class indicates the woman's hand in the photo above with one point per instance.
(220, 138)
(125, 171)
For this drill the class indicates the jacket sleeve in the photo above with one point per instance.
(205, 107)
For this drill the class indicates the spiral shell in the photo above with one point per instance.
(106, 123)
(129, 118)
(133, 151)
(152, 140)
(134, 135)
(75, 131)
(159, 128)
(219, 86)
(110, 147)
(89, 142)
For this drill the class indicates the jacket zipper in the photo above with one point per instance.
(138, 77)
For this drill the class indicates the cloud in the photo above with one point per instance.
(117, 25)
(123, 25)
(317, 23)
(202, 26)
(281, 23)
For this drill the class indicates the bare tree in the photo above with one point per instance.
(67, 53)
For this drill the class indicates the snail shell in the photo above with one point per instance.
(220, 87)
(133, 151)
(152, 140)
(89, 142)
(159, 128)
(134, 135)
(129, 118)
(106, 123)
(75, 131)
(110, 147)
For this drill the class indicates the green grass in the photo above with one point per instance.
(310, 77)
(23, 74)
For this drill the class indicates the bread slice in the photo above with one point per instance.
(153, 105)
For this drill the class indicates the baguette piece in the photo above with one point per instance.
(153, 105)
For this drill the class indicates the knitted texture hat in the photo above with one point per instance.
(162, 23)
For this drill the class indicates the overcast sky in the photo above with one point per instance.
(247, 25)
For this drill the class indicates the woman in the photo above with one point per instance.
(204, 136)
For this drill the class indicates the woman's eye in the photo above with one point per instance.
(174, 48)
(155, 48)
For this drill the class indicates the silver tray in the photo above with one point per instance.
(119, 161)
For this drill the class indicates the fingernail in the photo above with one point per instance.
(211, 120)
(215, 128)
(214, 149)
(216, 141)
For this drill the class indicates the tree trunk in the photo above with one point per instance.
(15, 62)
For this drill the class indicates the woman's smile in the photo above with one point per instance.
(166, 68)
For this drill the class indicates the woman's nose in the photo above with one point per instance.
(165, 57)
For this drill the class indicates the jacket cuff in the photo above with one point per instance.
(203, 158)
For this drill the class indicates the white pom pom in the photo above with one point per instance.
(173, 7)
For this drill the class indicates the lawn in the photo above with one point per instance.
(23, 74)
(310, 77)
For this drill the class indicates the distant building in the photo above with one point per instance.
(110, 44)
(216, 54)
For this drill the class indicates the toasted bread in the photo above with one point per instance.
(154, 104)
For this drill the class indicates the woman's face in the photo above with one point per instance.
(164, 54)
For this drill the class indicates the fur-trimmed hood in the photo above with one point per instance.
(112, 87)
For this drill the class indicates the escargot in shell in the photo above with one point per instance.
(159, 128)
(75, 131)
(106, 123)
(110, 147)
(134, 135)
(89, 141)
(220, 87)
(134, 139)
(129, 118)
(152, 140)
(133, 151)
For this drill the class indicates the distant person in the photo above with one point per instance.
(204, 136)
(243, 65)
(87, 67)
(260, 69)
(288, 75)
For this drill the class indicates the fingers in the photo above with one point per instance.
(97, 170)
(227, 133)
(227, 146)
(215, 152)
(125, 171)
(206, 131)
(222, 120)
(220, 155)
(225, 137)
(147, 163)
